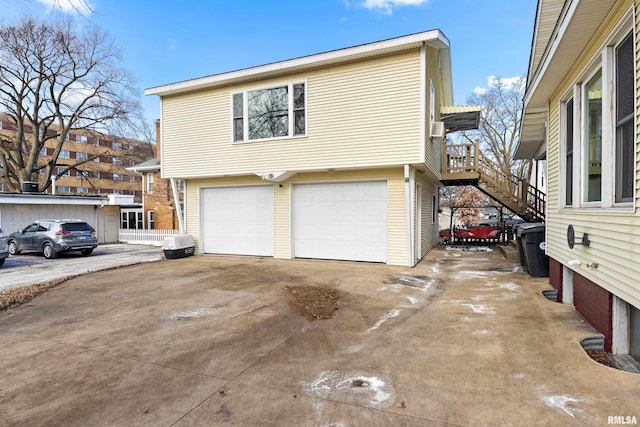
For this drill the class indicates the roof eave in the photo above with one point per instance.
(434, 38)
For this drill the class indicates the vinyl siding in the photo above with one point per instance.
(396, 223)
(433, 149)
(614, 232)
(362, 114)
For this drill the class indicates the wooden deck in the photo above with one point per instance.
(465, 164)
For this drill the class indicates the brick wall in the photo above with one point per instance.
(596, 305)
(555, 276)
(161, 202)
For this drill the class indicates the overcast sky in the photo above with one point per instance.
(169, 41)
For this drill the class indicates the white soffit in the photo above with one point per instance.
(572, 33)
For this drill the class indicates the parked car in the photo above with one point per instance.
(4, 248)
(53, 236)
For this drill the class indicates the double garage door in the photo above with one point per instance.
(344, 221)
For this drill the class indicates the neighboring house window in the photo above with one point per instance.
(151, 220)
(61, 170)
(116, 145)
(64, 154)
(117, 191)
(117, 177)
(96, 174)
(568, 153)
(149, 183)
(593, 138)
(96, 141)
(117, 161)
(273, 112)
(81, 138)
(132, 178)
(43, 151)
(64, 189)
(624, 120)
(81, 156)
(96, 159)
(83, 190)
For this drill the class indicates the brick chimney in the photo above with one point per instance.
(158, 139)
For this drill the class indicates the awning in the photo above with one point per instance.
(460, 117)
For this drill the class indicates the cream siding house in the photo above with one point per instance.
(581, 114)
(334, 155)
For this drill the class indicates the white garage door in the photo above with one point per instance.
(238, 220)
(346, 221)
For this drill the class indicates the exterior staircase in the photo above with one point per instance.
(465, 164)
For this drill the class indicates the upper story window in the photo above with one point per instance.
(116, 145)
(96, 174)
(81, 156)
(117, 161)
(96, 141)
(274, 112)
(81, 138)
(64, 154)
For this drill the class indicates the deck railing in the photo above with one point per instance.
(145, 237)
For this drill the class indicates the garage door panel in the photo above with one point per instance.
(341, 221)
(238, 220)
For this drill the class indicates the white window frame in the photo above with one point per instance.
(291, 115)
(81, 139)
(149, 182)
(64, 154)
(82, 190)
(151, 222)
(81, 155)
(603, 60)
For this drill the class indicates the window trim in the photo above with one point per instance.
(291, 112)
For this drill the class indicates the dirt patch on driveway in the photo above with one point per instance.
(312, 302)
(18, 296)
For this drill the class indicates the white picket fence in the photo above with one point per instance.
(145, 237)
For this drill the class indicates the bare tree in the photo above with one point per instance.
(55, 77)
(500, 124)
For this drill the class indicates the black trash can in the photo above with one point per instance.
(537, 261)
(516, 231)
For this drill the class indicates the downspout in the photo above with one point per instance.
(409, 181)
(53, 185)
(174, 189)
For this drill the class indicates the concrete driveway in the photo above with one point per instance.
(462, 339)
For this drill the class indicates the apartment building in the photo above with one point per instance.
(99, 163)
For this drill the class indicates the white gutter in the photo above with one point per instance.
(174, 189)
(423, 101)
(409, 182)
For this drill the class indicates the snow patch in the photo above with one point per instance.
(562, 402)
(337, 385)
(188, 315)
(393, 313)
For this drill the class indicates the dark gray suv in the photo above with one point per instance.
(53, 236)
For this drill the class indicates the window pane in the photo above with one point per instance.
(569, 153)
(238, 129)
(593, 137)
(299, 123)
(268, 113)
(625, 141)
(237, 105)
(298, 96)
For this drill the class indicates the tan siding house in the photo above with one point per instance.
(581, 114)
(327, 156)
